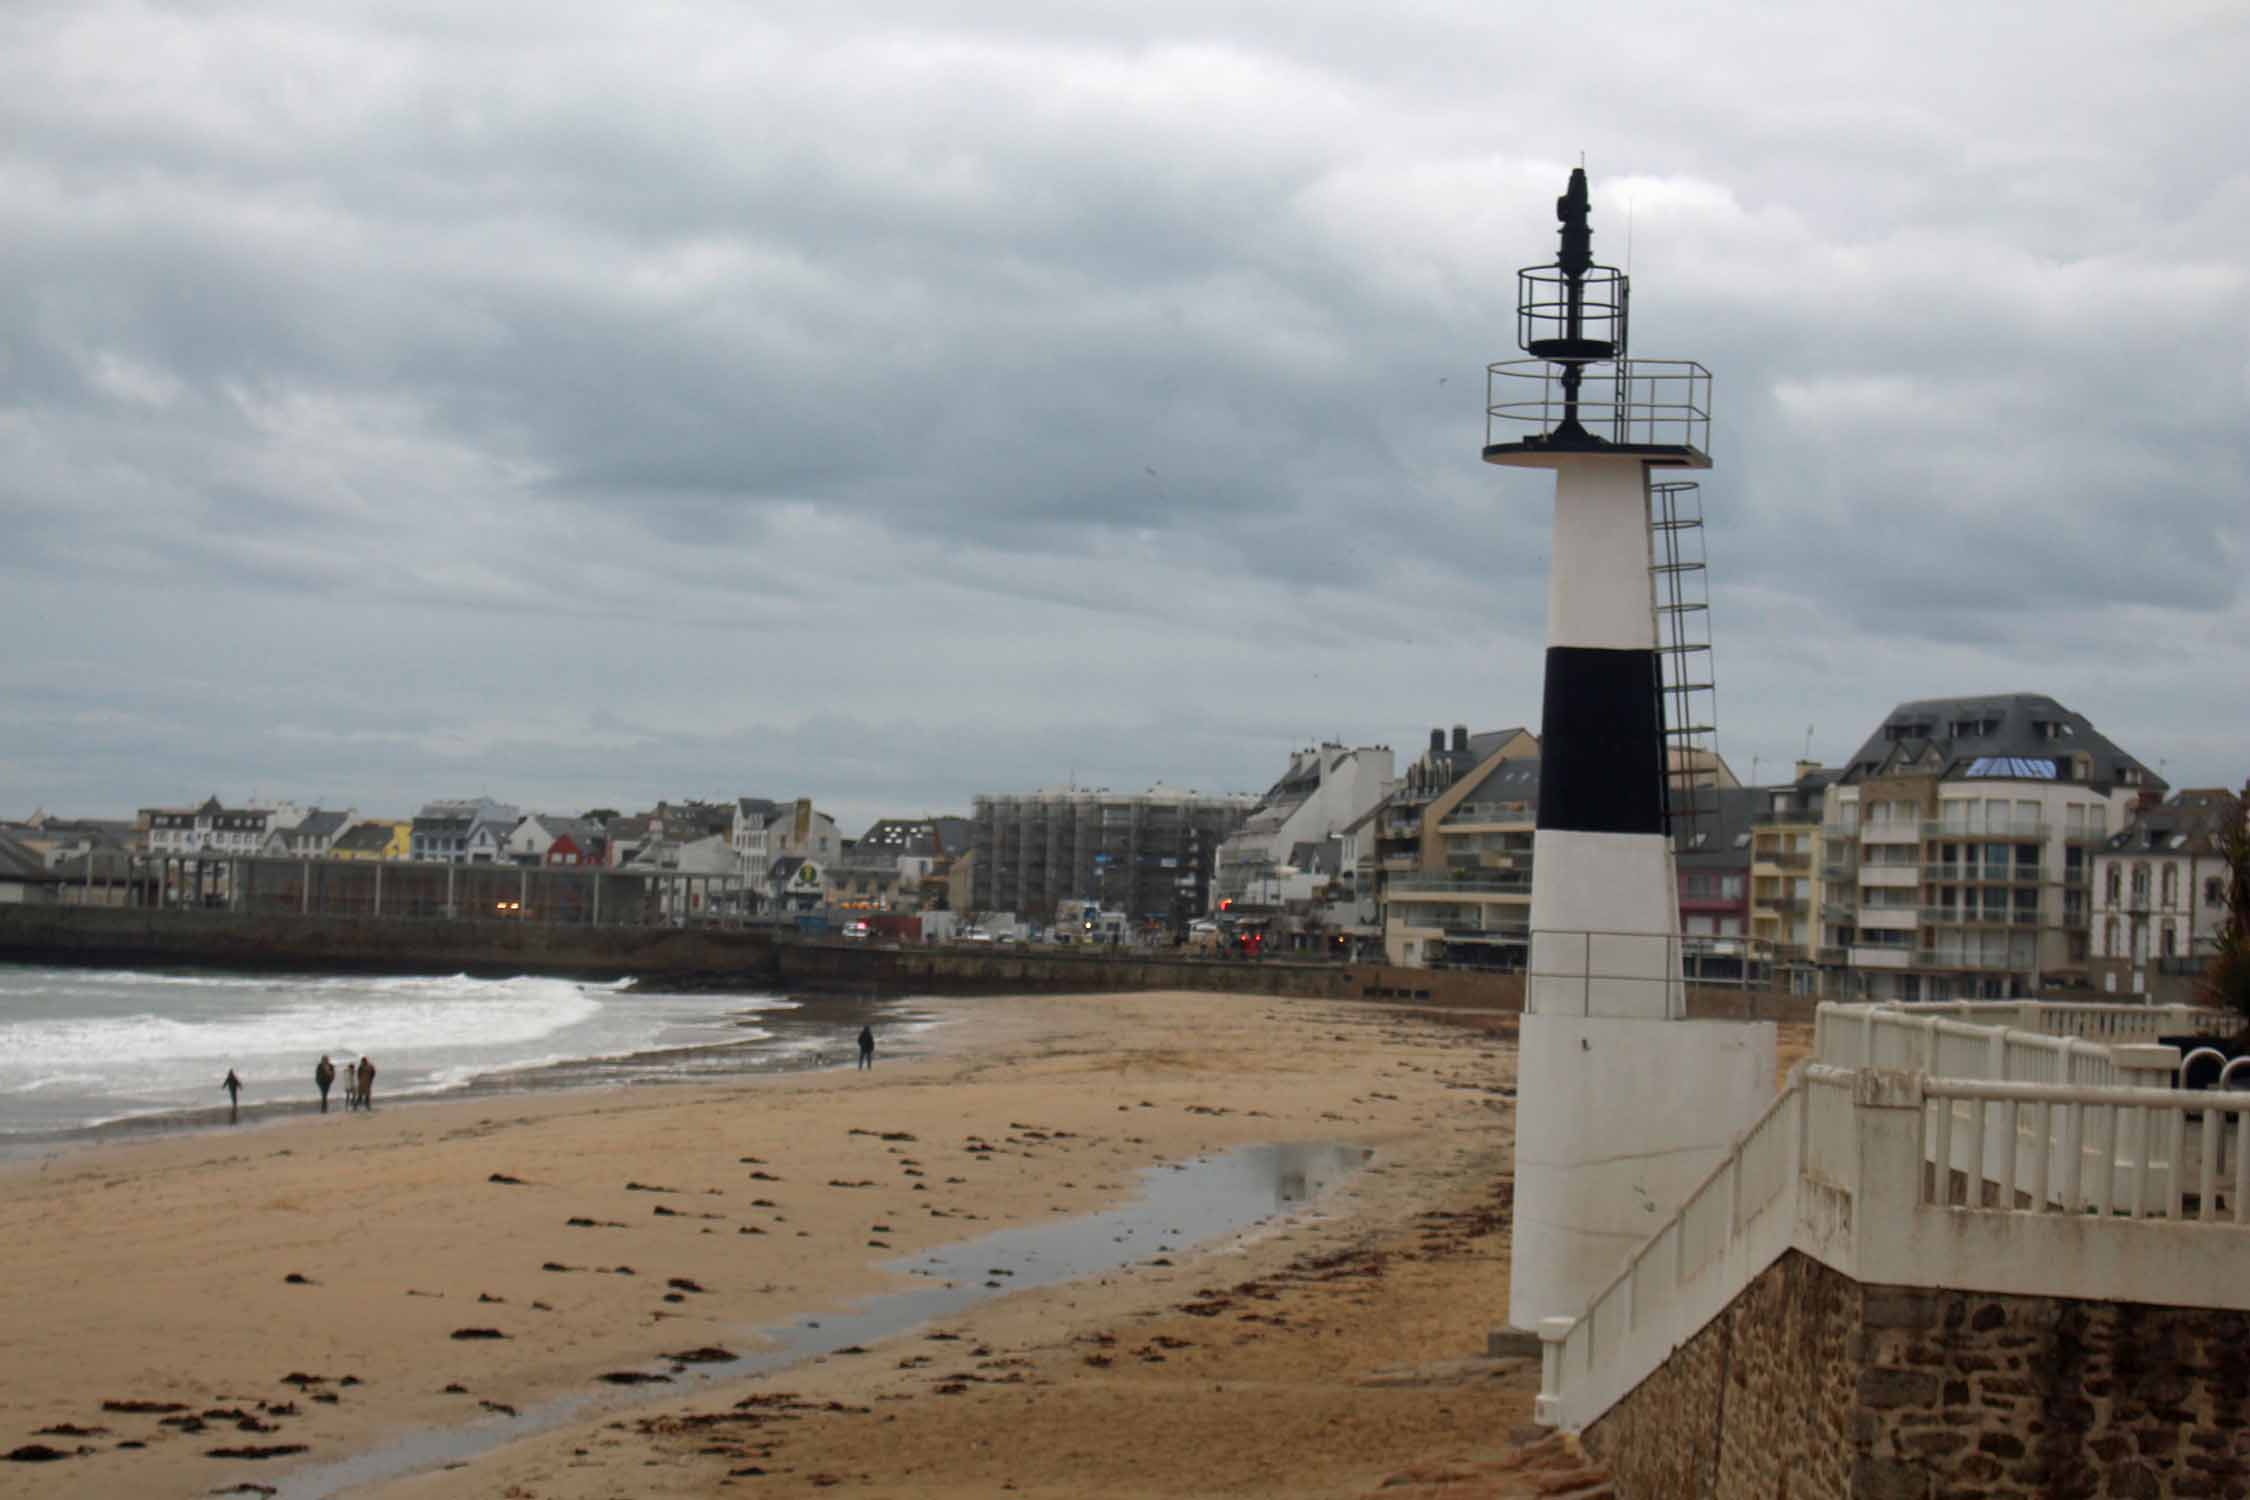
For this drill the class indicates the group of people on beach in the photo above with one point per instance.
(359, 1086)
(359, 1079)
(359, 1083)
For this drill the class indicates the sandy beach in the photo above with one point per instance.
(350, 1283)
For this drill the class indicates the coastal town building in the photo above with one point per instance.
(1324, 789)
(463, 831)
(374, 839)
(25, 879)
(762, 832)
(1961, 837)
(1785, 879)
(551, 839)
(1148, 854)
(311, 836)
(214, 828)
(1449, 865)
(2159, 895)
(1712, 855)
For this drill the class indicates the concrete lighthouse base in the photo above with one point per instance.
(1617, 1121)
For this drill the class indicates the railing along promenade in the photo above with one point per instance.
(1920, 1148)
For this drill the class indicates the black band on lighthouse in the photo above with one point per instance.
(1601, 742)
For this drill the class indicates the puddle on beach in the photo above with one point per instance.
(1181, 1205)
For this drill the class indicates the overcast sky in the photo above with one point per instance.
(592, 403)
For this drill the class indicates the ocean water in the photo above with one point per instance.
(84, 1050)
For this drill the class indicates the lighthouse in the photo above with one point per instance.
(1623, 1102)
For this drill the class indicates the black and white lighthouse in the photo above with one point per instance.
(1623, 1103)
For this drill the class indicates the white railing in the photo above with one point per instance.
(1924, 1041)
(1918, 1149)
(2137, 1153)
(1730, 1228)
(2044, 1041)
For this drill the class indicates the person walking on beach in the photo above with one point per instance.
(366, 1084)
(867, 1046)
(325, 1077)
(233, 1086)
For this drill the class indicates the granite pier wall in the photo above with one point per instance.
(1813, 1386)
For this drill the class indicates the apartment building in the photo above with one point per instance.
(1712, 857)
(1787, 863)
(2160, 895)
(1971, 826)
(1450, 861)
(1325, 788)
(1148, 854)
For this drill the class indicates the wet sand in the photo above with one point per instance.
(1321, 1354)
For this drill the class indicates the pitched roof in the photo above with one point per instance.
(1720, 836)
(371, 838)
(20, 865)
(2001, 736)
(2190, 823)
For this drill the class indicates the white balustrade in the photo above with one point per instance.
(1919, 1148)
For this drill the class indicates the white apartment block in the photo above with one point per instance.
(1959, 845)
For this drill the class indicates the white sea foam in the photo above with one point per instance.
(78, 1047)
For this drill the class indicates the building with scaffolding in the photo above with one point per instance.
(1147, 854)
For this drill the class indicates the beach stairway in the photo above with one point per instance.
(2026, 1149)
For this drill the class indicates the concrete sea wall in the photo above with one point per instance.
(739, 959)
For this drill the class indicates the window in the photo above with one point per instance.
(2169, 950)
(2140, 885)
(2171, 888)
(2214, 890)
(1730, 888)
(2116, 886)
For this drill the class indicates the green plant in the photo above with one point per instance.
(2226, 980)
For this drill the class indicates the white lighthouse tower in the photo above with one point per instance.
(1623, 1104)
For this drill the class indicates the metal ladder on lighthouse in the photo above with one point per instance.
(1687, 687)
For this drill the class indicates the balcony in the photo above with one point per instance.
(1785, 816)
(1976, 963)
(1890, 877)
(1830, 955)
(1984, 874)
(1890, 833)
(1426, 887)
(1889, 918)
(1839, 867)
(1786, 859)
(1786, 906)
(1962, 916)
(1864, 957)
(2024, 829)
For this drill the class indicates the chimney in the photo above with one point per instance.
(1806, 768)
(1460, 736)
(1437, 739)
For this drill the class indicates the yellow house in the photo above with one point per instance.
(376, 840)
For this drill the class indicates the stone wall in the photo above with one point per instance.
(1756, 1404)
(1963, 1394)
(1810, 1385)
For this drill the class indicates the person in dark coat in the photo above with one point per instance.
(867, 1046)
(325, 1077)
(366, 1084)
(233, 1086)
